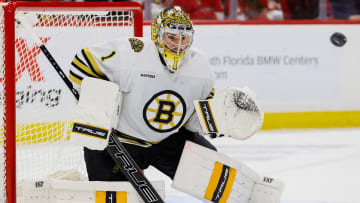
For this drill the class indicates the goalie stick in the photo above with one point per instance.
(115, 148)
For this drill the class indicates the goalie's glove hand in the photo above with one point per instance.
(233, 112)
(240, 115)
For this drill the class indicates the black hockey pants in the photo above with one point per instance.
(164, 156)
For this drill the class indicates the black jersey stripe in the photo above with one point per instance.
(92, 64)
(83, 68)
(75, 78)
(211, 94)
(80, 61)
(220, 183)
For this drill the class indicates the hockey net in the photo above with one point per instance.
(35, 105)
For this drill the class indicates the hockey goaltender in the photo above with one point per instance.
(158, 94)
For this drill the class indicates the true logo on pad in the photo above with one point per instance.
(90, 130)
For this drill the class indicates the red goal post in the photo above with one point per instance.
(32, 97)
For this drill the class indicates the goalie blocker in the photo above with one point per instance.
(232, 112)
(97, 113)
(218, 178)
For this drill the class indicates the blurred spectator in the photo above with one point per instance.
(157, 6)
(246, 9)
(355, 17)
(197, 9)
(202, 9)
(300, 9)
(356, 14)
(274, 11)
(255, 10)
(345, 9)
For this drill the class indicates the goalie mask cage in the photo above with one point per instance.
(35, 104)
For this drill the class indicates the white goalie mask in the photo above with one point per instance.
(172, 33)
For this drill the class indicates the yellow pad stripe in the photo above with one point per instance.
(121, 197)
(214, 180)
(228, 186)
(220, 184)
(100, 197)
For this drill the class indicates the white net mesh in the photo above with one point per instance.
(44, 104)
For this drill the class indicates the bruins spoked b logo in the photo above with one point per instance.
(165, 111)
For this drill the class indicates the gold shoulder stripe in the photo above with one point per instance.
(83, 68)
(92, 63)
(75, 78)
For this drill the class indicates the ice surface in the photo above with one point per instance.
(317, 166)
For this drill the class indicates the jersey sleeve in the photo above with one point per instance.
(86, 63)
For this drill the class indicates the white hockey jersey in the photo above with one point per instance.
(156, 103)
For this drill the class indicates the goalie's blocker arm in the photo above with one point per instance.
(97, 113)
(232, 112)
